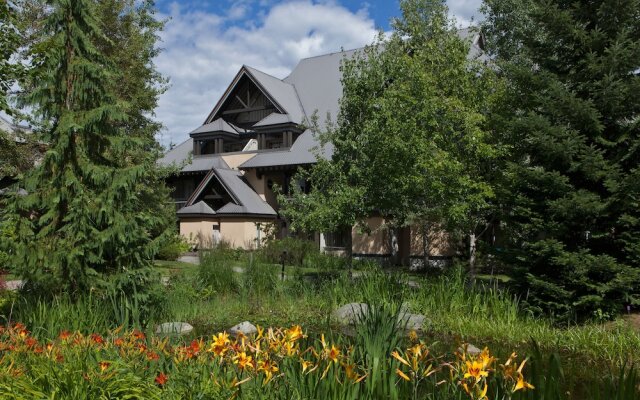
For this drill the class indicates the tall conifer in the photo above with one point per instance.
(84, 212)
(572, 119)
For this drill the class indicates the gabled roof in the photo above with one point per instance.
(282, 94)
(219, 125)
(239, 188)
(200, 208)
(246, 200)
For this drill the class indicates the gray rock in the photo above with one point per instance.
(350, 314)
(245, 328)
(191, 258)
(174, 328)
(471, 349)
(413, 322)
(13, 285)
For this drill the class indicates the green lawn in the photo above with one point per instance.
(169, 268)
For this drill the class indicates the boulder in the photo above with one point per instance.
(174, 328)
(470, 349)
(350, 314)
(412, 322)
(245, 328)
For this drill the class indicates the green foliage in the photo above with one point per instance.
(261, 279)
(215, 272)
(569, 118)
(297, 250)
(172, 248)
(410, 142)
(96, 203)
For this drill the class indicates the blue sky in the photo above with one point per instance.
(206, 42)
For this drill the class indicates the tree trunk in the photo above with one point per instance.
(472, 254)
(349, 249)
(425, 245)
(393, 244)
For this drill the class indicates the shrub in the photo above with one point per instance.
(173, 248)
(261, 278)
(216, 270)
(325, 262)
(297, 250)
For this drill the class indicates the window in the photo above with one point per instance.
(336, 239)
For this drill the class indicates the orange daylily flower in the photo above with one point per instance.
(161, 379)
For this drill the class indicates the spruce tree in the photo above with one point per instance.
(84, 214)
(572, 120)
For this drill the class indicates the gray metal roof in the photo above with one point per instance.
(302, 152)
(317, 81)
(282, 92)
(219, 125)
(200, 208)
(250, 201)
(205, 163)
(274, 119)
(178, 154)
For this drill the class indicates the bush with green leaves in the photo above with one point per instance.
(294, 250)
(215, 271)
(172, 248)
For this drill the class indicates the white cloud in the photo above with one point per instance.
(203, 53)
(465, 11)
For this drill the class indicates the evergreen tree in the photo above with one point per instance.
(571, 119)
(85, 212)
(409, 143)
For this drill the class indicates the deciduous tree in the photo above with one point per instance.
(410, 141)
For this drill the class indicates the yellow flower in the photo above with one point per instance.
(294, 333)
(243, 360)
(219, 344)
(475, 370)
(483, 394)
(268, 367)
(413, 335)
(522, 384)
(306, 364)
(402, 375)
(486, 358)
(397, 356)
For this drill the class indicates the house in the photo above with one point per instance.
(255, 138)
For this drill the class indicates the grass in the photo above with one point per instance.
(169, 268)
(213, 297)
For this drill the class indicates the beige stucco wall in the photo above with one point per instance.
(233, 160)
(258, 184)
(278, 179)
(440, 242)
(239, 232)
(375, 242)
(197, 230)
